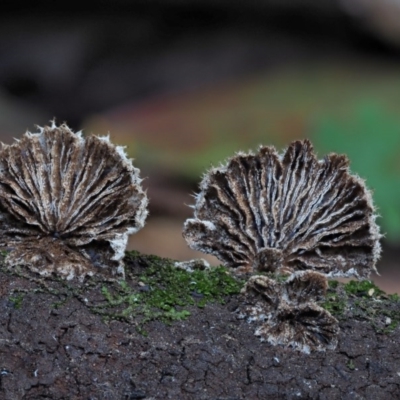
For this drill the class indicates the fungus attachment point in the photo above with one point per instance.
(286, 213)
(268, 259)
(68, 203)
(286, 313)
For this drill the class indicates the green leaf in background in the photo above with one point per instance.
(370, 136)
(183, 134)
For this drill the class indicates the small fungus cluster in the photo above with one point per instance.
(283, 214)
(288, 312)
(68, 203)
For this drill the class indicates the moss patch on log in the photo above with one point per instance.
(155, 290)
(364, 300)
(163, 292)
(57, 341)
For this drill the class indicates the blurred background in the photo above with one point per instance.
(185, 84)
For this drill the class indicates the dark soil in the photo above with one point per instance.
(51, 350)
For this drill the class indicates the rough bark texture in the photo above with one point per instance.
(68, 352)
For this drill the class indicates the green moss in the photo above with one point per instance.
(394, 297)
(334, 305)
(160, 291)
(350, 365)
(333, 284)
(17, 300)
(155, 289)
(363, 300)
(334, 301)
(164, 292)
(3, 253)
(170, 284)
(362, 289)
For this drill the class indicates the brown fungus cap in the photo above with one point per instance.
(283, 213)
(287, 314)
(68, 203)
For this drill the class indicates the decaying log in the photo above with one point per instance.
(54, 346)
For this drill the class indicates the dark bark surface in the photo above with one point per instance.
(69, 352)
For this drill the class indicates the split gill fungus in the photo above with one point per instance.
(287, 313)
(68, 203)
(286, 212)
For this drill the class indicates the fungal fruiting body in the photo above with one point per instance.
(289, 212)
(68, 203)
(287, 313)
